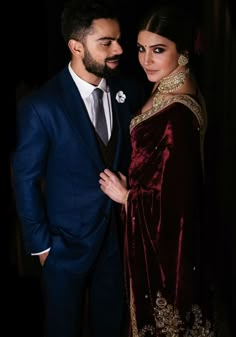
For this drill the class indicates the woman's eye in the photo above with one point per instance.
(140, 49)
(159, 50)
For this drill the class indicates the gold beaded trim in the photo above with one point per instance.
(163, 103)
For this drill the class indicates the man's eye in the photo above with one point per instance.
(108, 43)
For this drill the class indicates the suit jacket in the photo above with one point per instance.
(57, 147)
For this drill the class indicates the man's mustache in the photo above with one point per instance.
(113, 58)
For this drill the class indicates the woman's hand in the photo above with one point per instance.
(114, 185)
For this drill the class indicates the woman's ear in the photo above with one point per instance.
(76, 47)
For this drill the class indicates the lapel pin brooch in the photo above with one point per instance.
(120, 97)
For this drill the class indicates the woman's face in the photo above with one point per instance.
(157, 55)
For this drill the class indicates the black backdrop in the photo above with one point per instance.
(41, 53)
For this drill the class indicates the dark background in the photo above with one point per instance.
(39, 52)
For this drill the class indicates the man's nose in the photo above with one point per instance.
(118, 50)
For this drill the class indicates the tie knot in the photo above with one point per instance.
(98, 93)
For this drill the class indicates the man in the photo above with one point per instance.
(66, 218)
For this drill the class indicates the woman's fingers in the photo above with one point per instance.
(107, 176)
(103, 175)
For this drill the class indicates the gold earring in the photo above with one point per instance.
(183, 60)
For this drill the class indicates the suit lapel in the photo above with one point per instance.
(79, 118)
(116, 115)
(80, 122)
(121, 113)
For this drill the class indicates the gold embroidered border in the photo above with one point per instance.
(184, 99)
(168, 322)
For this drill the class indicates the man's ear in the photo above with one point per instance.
(76, 47)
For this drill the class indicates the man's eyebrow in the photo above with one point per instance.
(106, 38)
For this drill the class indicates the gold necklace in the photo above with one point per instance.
(172, 82)
(168, 85)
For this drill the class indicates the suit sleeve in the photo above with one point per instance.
(29, 162)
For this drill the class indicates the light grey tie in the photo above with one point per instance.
(100, 119)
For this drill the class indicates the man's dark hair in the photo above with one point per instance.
(78, 15)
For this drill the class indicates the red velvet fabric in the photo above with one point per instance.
(163, 219)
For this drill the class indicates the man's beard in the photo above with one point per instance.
(98, 69)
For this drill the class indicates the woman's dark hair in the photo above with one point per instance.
(172, 22)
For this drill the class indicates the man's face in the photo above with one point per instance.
(102, 49)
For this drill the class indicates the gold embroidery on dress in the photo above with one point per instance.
(163, 103)
(132, 313)
(167, 318)
(199, 329)
(168, 322)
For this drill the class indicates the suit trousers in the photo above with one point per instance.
(101, 288)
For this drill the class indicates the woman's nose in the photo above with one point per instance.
(147, 58)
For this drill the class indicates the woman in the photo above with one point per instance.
(163, 194)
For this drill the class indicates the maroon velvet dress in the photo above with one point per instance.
(163, 219)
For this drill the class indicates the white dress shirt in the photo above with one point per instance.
(86, 90)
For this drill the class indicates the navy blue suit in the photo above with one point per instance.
(56, 168)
